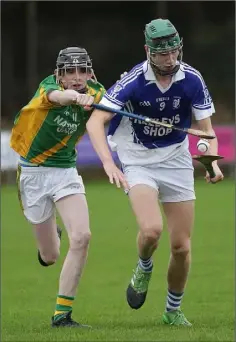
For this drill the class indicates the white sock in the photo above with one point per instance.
(146, 264)
(173, 300)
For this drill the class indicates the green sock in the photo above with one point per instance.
(63, 306)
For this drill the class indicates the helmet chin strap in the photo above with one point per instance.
(93, 78)
(158, 71)
(82, 91)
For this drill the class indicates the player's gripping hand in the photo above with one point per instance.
(218, 175)
(84, 100)
(70, 96)
(115, 175)
(122, 75)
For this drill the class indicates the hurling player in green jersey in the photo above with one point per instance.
(45, 134)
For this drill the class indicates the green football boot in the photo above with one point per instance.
(175, 317)
(137, 290)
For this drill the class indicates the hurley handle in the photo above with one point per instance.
(210, 170)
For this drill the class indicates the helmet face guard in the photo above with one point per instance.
(162, 38)
(73, 59)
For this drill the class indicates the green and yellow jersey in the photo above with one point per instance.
(46, 134)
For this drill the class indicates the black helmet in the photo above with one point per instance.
(72, 57)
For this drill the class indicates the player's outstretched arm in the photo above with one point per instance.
(96, 130)
(206, 126)
(70, 96)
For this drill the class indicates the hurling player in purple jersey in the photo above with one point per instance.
(156, 162)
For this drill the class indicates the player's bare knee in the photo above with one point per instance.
(80, 240)
(151, 233)
(181, 250)
(50, 257)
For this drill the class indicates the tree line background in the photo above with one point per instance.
(112, 32)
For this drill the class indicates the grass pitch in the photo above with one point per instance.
(29, 290)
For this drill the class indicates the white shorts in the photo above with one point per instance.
(40, 187)
(173, 179)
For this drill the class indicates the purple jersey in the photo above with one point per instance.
(140, 93)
